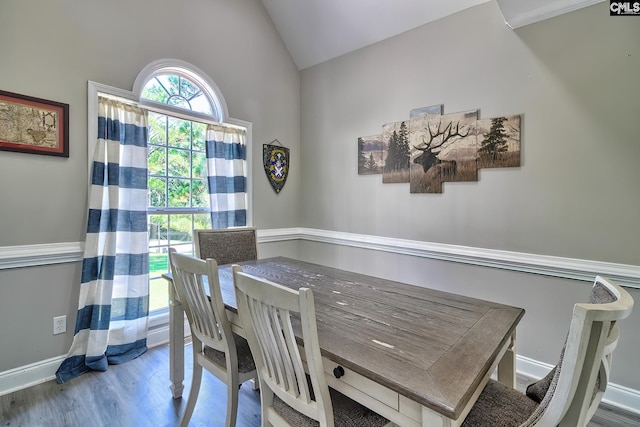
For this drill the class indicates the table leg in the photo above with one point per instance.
(176, 343)
(507, 366)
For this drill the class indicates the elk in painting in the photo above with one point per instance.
(429, 158)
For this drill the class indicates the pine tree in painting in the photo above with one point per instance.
(371, 166)
(362, 160)
(495, 141)
(391, 163)
(398, 155)
(403, 147)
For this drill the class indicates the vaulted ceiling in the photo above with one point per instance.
(315, 31)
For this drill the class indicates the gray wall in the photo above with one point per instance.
(575, 81)
(50, 49)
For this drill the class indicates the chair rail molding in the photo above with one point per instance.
(567, 268)
(40, 254)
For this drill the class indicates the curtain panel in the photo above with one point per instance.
(112, 320)
(227, 175)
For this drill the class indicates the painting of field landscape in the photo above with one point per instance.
(370, 160)
(499, 142)
(443, 148)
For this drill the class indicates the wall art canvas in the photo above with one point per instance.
(443, 149)
(431, 148)
(396, 151)
(33, 125)
(499, 142)
(370, 159)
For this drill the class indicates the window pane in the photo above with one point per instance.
(158, 292)
(188, 89)
(180, 230)
(157, 128)
(157, 192)
(154, 91)
(199, 162)
(179, 193)
(170, 83)
(201, 104)
(200, 194)
(179, 133)
(201, 221)
(199, 131)
(157, 160)
(158, 231)
(179, 163)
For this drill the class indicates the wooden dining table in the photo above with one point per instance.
(417, 356)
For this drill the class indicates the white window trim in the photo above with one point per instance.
(160, 319)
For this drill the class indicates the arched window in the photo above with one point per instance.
(178, 86)
(182, 103)
(186, 112)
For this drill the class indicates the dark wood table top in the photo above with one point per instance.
(431, 346)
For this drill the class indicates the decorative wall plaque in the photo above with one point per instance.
(275, 159)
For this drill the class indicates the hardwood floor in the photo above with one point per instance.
(137, 394)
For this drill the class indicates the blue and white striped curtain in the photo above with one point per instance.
(227, 175)
(113, 306)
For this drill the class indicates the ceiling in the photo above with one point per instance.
(315, 31)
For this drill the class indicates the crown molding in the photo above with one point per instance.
(521, 17)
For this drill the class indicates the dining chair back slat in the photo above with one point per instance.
(271, 315)
(215, 346)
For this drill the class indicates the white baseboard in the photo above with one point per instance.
(45, 370)
(29, 375)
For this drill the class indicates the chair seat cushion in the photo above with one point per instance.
(346, 413)
(245, 359)
(500, 405)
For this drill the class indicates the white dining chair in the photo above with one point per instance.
(268, 312)
(226, 245)
(571, 393)
(215, 347)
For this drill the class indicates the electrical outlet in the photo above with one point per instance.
(59, 325)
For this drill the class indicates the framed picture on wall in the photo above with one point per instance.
(33, 125)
